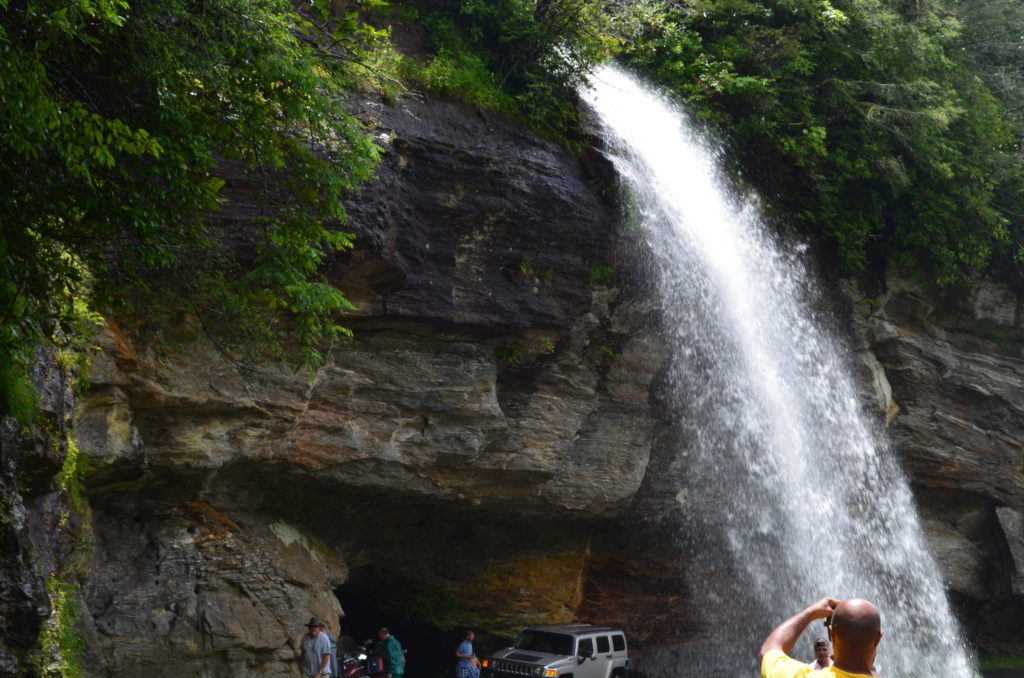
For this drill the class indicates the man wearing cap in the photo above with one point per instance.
(316, 650)
(854, 626)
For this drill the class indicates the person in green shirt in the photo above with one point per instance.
(391, 649)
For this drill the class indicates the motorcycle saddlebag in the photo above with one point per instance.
(374, 664)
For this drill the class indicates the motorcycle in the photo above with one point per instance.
(362, 663)
(353, 665)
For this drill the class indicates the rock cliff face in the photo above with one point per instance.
(487, 451)
(462, 450)
(950, 376)
(38, 524)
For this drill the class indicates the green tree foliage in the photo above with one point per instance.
(539, 50)
(116, 121)
(991, 42)
(522, 57)
(858, 119)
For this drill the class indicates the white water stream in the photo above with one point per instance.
(786, 491)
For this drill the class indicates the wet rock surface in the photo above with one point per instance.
(956, 372)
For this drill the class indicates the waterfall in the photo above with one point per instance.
(786, 492)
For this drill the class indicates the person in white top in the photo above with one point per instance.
(822, 660)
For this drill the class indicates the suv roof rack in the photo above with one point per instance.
(572, 628)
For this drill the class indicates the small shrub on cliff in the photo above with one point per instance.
(62, 644)
(71, 478)
(463, 75)
(602, 274)
(17, 397)
(1002, 661)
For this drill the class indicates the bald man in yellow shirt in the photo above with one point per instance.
(854, 627)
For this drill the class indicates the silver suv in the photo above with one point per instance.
(562, 651)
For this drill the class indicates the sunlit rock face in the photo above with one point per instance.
(956, 371)
(488, 420)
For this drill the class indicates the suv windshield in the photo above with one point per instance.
(544, 641)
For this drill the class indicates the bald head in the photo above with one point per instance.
(857, 618)
(856, 629)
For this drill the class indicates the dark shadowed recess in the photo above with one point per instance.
(430, 651)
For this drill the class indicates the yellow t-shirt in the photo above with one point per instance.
(777, 665)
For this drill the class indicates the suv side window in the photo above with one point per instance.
(602, 644)
(586, 647)
(619, 642)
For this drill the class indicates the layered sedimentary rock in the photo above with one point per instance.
(491, 448)
(950, 375)
(491, 411)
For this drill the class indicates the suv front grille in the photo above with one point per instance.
(511, 668)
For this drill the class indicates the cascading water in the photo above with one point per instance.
(788, 495)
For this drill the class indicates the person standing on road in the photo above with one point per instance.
(316, 650)
(394, 658)
(464, 657)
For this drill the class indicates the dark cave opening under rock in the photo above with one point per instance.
(370, 602)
